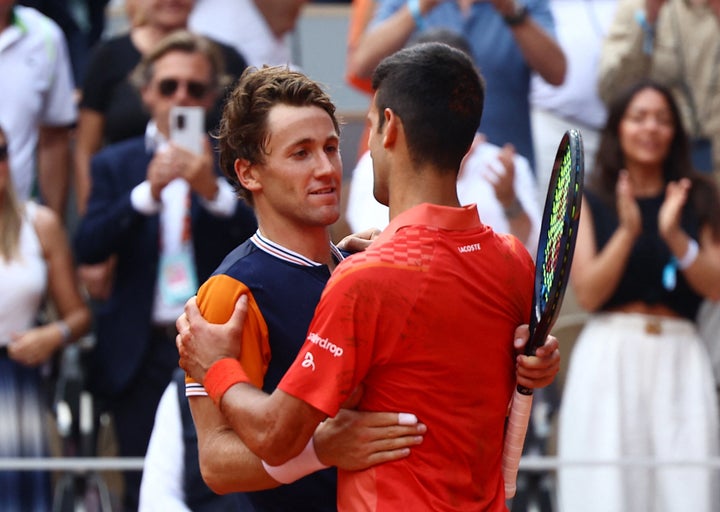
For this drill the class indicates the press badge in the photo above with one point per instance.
(178, 281)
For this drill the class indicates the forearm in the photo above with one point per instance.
(541, 52)
(226, 464)
(622, 60)
(275, 427)
(88, 141)
(102, 234)
(702, 271)
(54, 167)
(594, 285)
(382, 40)
(704, 275)
(78, 321)
(81, 178)
(521, 227)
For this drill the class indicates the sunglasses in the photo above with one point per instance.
(3, 152)
(196, 90)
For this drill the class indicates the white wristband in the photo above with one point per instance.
(691, 254)
(65, 330)
(414, 8)
(304, 464)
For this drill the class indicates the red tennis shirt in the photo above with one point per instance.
(424, 320)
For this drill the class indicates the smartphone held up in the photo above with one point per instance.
(187, 128)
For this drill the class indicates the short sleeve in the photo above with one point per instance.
(216, 300)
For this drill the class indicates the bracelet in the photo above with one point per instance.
(648, 31)
(221, 376)
(517, 17)
(414, 8)
(514, 210)
(65, 331)
(297, 467)
(691, 254)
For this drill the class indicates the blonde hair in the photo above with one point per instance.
(11, 213)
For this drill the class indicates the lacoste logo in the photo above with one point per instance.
(309, 361)
(469, 248)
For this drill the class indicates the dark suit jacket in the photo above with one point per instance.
(112, 226)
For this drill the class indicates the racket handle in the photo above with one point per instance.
(514, 439)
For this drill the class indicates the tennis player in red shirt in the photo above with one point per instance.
(424, 320)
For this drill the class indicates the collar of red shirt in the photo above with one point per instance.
(427, 214)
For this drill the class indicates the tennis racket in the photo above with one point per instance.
(558, 233)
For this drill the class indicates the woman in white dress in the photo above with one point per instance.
(35, 260)
(640, 386)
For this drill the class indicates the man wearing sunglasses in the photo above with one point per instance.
(169, 218)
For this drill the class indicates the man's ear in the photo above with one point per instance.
(247, 174)
(390, 132)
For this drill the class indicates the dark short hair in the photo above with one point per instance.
(442, 35)
(244, 131)
(438, 93)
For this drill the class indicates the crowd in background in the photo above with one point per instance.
(107, 225)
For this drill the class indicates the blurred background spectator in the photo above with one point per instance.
(639, 384)
(580, 26)
(509, 40)
(36, 103)
(170, 219)
(111, 109)
(82, 22)
(676, 42)
(267, 25)
(35, 260)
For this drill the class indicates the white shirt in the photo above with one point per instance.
(173, 209)
(24, 281)
(36, 89)
(239, 23)
(162, 480)
(364, 212)
(581, 26)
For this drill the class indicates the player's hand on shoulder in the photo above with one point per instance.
(200, 343)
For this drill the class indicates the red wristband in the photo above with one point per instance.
(221, 376)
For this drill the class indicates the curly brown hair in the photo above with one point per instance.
(243, 132)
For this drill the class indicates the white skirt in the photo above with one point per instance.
(638, 388)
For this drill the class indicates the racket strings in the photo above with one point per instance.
(556, 227)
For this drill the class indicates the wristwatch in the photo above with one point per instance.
(517, 16)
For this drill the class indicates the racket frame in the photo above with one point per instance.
(543, 319)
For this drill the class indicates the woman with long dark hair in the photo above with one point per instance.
(640, 384)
